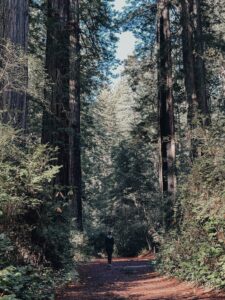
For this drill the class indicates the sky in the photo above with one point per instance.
(126, 45)
(119, 4)
(126, 41)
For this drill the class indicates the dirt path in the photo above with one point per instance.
(131, 279)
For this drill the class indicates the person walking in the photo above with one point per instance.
(109, 244)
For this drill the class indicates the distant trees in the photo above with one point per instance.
(120, 179)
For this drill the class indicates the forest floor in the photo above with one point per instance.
(132, 279)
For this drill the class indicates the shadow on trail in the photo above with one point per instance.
(132, 279)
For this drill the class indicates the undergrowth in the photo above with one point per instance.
(36, 251)
(195, 250)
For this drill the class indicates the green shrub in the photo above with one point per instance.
(130, 240)
(33, 214)
(35, 244)
(25, 283)
(196, 251)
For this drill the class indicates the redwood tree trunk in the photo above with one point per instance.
(188, 59)
(166, 105)
(14, 28)
(55, 118)
(61, 120)
(200, 65)
(193, 58)
(74, 113)
(194, 69)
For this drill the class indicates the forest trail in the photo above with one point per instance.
(131, 279)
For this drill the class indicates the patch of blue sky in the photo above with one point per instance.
(119, 4)
(126, 42)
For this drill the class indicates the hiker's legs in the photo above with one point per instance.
(109, 254)
(110, 258)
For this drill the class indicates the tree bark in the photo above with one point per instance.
(61, 120)
(193, 58)
(14, 28)
(200, 64)
(194, 69)
(188, 59)
(74, 113)
(165, 102)
(55, 119)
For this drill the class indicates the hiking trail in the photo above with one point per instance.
(132, 279)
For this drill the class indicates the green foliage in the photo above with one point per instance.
(196, 251)
(30, 207)
(9, 297)
(134, 209)
(12, 67)
(119, 172)
(26, 283)
(6, 250)
(34, 219)
(98, 41)
(140, 17)
(131, 239)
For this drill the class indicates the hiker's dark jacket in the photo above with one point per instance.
(109, 243)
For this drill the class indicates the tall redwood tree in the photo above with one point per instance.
(194, 68)
(74, 111)
(61, 121)
(14, 28)
(165, 103)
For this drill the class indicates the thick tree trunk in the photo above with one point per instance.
(200, 65)
(188, 59)
(55, 118)
(14, 28)
(74, 114)
(189, 71)
(193, 58)
(165, 100)
(194, 69)
(61, 120)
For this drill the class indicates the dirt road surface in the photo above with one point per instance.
(132, 279)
